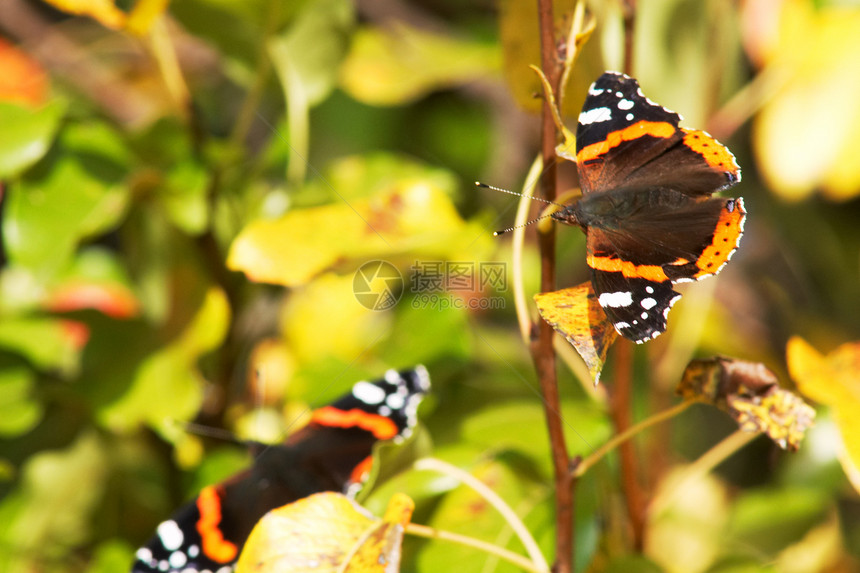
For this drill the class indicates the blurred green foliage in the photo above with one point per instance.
(188, 204)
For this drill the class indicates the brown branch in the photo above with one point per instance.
(629, 8)
(542, 350)
(620, 410)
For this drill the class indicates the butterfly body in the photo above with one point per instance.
(647, 206)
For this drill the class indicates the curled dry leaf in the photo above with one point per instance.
(749, 393)
(576, 314)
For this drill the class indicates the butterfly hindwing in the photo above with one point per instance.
(331, 453)
(637, 308)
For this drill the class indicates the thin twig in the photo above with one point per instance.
(517, 251)
(629, 8)
(619, 439)
(493, 499)
(500, 552)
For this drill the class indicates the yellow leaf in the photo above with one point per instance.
(808, 135)
(103, 11)
(833, 380)
(398, 64)
(576, 314)
(145, 12)
(290, 251)
(330, 300)
(327, 532)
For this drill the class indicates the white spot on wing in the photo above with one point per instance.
(393, 376)
(648, 303)
(368, 393)
(178, 559)
(615, 299)
(170, 534)
(395, 401)
(595, 115)
(625, 104)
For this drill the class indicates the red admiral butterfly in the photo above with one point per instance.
(331, 453)
(646, 208)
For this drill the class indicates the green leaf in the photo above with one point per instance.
(795, 509)
(465, 511)
(306, 59)
(309, 53)
(111, 556)
(521, 427)
(50, 512)
(426, 334)
(27, 135)
(171, 372)
(79, 194)
(184, 197)
(19, 413)
(45, 342)
(390, 459)
(357, 176)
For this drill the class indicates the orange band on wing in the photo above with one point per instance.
(215, 547)
(381, 427)
(362, 470)
(630, 270)
(659, 129)
(712, 151)
(726, 236)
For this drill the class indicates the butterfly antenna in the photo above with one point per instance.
(500, 190)
(526, 224)
(207, 431)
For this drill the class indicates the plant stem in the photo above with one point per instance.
(493, 499)
(620, 406)
(164, 52)
(500, 552)
(542, 350)
(619, 439)
(517, 245)
(629, 9)
(248, 110)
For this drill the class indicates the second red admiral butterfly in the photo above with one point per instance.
(331, 453)
(646, 206)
